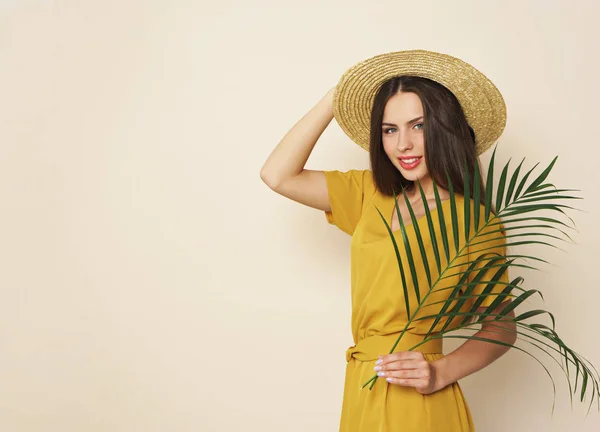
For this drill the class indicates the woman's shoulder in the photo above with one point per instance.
(369, 185)
(359, 181)
(366, 179)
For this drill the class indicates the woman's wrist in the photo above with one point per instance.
(329, 95)
(441, 376)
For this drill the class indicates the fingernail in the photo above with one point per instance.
(388, 380)
(379, 361)
(377, 368)
(380, 374)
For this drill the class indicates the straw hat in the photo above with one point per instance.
(481, 101)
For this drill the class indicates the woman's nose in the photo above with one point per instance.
(404, 142)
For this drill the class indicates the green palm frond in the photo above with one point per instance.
(523, 210)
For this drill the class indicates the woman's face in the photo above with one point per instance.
(402, 135)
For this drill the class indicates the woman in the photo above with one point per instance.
(417, 130)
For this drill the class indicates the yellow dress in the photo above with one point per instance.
(379, 313)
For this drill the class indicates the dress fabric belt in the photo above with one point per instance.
(371, 347)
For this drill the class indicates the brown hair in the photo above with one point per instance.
(449, 140)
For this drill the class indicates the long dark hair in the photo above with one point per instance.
(449, 140)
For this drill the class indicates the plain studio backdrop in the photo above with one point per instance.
(150, 281)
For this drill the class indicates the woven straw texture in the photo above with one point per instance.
(481, 101)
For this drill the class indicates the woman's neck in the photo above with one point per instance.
(413, 193)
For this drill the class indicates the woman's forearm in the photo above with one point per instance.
(474, 355)
(290, 155)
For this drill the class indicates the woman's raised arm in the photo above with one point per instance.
(284, 170)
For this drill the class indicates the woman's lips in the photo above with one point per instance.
(410, 162)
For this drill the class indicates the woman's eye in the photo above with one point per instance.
(385, 131)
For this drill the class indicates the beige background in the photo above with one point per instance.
(151, 282)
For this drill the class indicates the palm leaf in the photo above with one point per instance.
(421, 243)
(399, 259)
(480, 270)
(501, 185)
(513, 182)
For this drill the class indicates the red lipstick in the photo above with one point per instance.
(410, 162)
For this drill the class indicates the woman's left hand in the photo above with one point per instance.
(408, 368)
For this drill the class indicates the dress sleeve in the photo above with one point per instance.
(347, 192)
(492, 241)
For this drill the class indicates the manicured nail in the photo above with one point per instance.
(377, 368)
(379, 361)
(380, 373)
(388, 380)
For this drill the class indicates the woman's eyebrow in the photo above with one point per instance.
(408, 122)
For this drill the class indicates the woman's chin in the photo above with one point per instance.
(412, 175)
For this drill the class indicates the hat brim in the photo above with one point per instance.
(479, 98)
